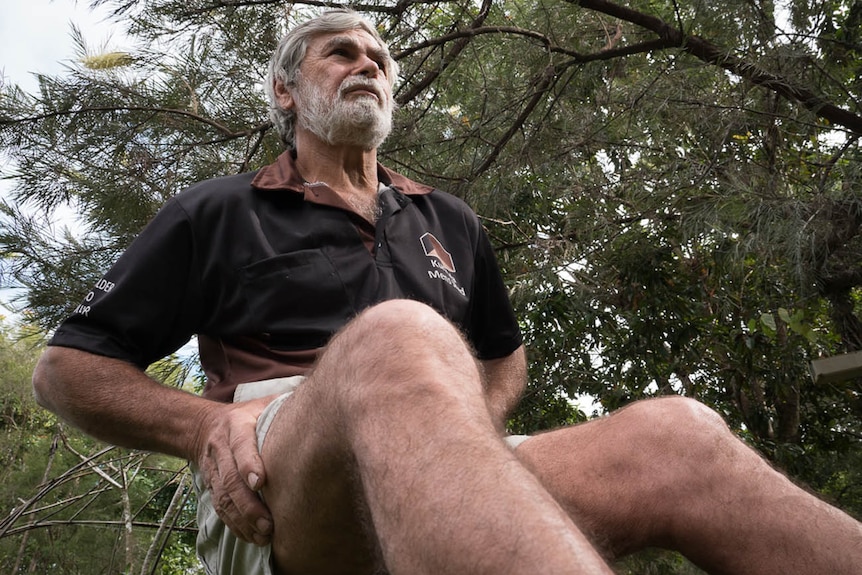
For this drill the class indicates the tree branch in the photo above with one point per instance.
(712, 54)
(398, 8)
(450, 57)
(93, 523)
(544, 82)
(156, 110)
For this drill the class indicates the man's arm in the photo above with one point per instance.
(117, 402)
(505, 380)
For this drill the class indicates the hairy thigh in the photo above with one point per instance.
(321, 523)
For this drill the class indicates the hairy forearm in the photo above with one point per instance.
(118, 403)
(505, 380)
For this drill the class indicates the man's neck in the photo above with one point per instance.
(348, 171)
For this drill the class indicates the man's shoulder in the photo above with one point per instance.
(446, 205)
(429, 194)
(449, 199)
(224, 188)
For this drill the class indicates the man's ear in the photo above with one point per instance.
(284, 95)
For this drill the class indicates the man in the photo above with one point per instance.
(387, 456)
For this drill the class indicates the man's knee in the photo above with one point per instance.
(680, 433)
(676, 415)
(392, 320)
(394, 349)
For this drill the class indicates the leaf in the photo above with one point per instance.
(768, 320)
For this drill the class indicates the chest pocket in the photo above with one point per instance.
(297, 299)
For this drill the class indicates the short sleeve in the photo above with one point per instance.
(493, 328)
(149, 303)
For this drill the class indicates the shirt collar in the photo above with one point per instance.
(283, 175)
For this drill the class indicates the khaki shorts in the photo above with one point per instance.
(220, 552)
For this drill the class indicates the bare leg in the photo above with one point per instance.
(669, 473)
(389, 446)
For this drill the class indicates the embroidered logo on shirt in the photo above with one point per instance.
(441, 261)
(434, 249)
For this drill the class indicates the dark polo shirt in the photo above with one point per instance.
(264, 268)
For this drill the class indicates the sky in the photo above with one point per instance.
(35, 36)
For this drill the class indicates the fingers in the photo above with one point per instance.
(234, 472)
(244, 447)
(239, 507)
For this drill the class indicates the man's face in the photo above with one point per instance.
(342, 93)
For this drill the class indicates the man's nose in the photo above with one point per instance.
(368, 67)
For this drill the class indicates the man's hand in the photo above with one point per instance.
(116, 402)
(233, 469)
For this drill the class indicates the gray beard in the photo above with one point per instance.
(359, 122)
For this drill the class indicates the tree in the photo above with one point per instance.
(671, 186)
(71, 505)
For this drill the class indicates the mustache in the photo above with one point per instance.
(359, 83)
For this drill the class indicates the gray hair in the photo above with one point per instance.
(288, 56)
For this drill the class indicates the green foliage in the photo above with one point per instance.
(656, 562)
(65, 499)
(67, 512)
